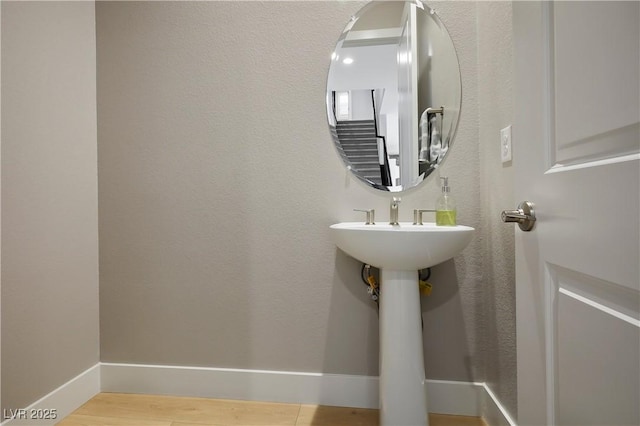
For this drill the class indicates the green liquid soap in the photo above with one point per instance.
(446, 218)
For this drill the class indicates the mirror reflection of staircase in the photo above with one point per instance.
(358, 143)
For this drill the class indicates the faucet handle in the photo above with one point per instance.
(417, 215)
(371, 215)
(396, 200)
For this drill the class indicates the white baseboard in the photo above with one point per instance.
(251, 385)
(59, 403)
(493, 412)
(452, 397)
(444, 397)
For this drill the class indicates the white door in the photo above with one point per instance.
(576, 157)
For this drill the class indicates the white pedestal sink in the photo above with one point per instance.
(400, 251)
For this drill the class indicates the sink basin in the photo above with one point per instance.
(404, 247)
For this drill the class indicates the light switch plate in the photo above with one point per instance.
(505, 144)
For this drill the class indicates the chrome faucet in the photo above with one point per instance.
(371, 215)
(393, 212)
(417, 215)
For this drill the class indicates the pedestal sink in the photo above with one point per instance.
(400, 251)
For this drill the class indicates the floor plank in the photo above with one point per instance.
(85, 420)
(317, 415)
(447, 420)
(190, 410)
(117, 409)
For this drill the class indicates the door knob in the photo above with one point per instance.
(525, 216)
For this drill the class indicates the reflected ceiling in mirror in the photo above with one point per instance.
(393, 94)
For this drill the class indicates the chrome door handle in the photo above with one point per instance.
(525, 216)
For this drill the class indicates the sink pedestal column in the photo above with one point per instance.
(403, 394)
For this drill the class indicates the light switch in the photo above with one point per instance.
(505, 144)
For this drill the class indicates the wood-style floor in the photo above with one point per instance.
(117, 409)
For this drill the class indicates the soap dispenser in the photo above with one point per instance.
(445, 206)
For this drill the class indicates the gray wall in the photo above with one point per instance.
(218, 181)
(1, 405)
(495, 105)
(49, 197)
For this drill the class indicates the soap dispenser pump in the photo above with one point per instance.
(445, 206)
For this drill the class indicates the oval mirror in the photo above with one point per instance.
(393, 94)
